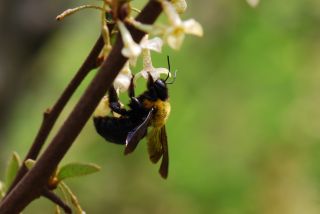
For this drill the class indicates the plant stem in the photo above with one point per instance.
(51, 115)
(55, 199)
(31, 185)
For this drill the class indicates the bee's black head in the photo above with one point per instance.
(161, 89)
(157, 89)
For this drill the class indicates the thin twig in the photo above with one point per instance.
(32, 183)
(51, 115)
(77, 9)
(55, 199)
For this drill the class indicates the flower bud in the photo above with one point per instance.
(179, 5)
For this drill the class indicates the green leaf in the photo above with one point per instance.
(29, 163)
(57, 210)
(76, 170)
(74, 200)
(2, 190)
(12, 168)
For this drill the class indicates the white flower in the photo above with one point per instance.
(253, 3)
(121, 84)
(131, 49)
(122, 81)
(147, 45)
(175, 32)
(179, 5)
(155, 73)
(154, 44)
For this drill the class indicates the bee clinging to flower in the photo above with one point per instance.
(147, 113)
(150, 110)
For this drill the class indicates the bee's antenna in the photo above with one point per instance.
(169, 68)
(174, 78)
(168, 59)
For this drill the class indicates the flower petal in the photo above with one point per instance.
(133, 61)
(155, 73)
(179, 5)
(140, 26)
(126, 70)
(154, 44)
(161, 71)
(175, 41)
(171, 13)
(253, 3)
(122, 82)
(191, 26)
(130, 49)
(143, 73)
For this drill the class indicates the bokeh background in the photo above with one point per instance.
(244, 133)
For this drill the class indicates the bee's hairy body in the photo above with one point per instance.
(117, 128)
(150, 109)
(162, 111)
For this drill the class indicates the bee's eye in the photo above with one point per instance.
(160, 84)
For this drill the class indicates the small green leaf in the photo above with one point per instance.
(57, 210)
(76, 170)
(74, 200)
(29, 163)
(12, 168)
(2, 190)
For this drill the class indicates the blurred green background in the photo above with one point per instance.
(244, 132)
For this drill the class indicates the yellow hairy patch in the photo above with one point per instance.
(162, 111)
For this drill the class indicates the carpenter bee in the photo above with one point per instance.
(150, 110)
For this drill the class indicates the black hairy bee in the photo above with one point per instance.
(151, 110)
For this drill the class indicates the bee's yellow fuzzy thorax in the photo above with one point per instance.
(162, 111)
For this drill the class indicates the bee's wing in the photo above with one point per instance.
(154, 144)
(165, 153)
(137, 134)
(158, 147)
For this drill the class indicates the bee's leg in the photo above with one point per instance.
(150, 83)
(152, 95)
(131, 88)
(135, 103)
(114, 103)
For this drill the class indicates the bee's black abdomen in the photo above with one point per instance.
(115, 130)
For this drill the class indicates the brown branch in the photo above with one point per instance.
(32, 183)
(55, 199)
(51, 115)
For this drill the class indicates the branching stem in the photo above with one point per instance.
(31, 185)
(50, 116)
(55, 199)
